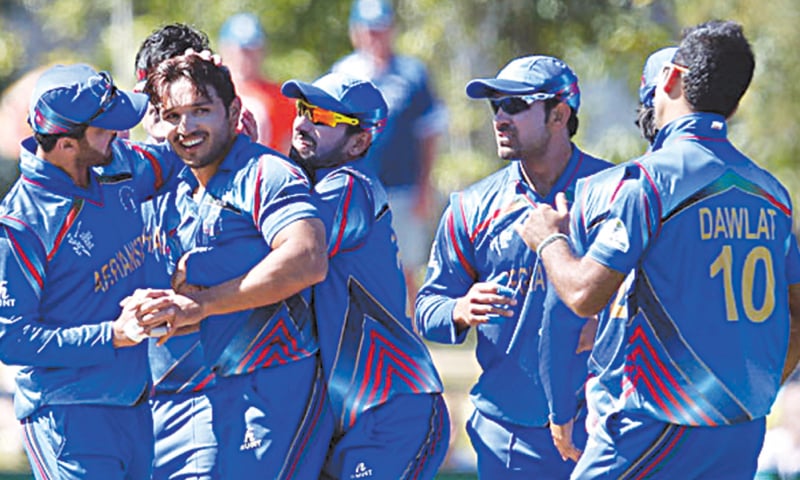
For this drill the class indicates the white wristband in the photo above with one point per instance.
(550, 239)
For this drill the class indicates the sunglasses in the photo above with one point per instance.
(320, 116)
(106, 99)
(510, 105)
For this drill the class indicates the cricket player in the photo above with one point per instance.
(185, 444)
(693, 246)
(647, 89)
(384, 391)
(482, 276)
(250, 245)
(71, 249)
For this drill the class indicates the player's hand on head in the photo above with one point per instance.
(205, 55)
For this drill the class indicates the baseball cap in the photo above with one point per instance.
(373, 14)
(243, 30)
(341, 93)
(537, 76)
(66, 96)
(652, 67)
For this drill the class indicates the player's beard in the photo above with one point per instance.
(333, 158)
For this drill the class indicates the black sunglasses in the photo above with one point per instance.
(106, 99)
(510, 105)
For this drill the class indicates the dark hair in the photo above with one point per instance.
(47, 141)
(202, 73)
(572, 123)
(646, 122)
(720, 63)
(167, 42)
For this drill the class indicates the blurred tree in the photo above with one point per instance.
(605, 41)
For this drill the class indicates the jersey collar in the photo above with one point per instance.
(694, 125)
(41, 172)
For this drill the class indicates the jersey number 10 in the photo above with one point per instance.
(724, 263)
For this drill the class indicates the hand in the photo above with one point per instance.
(588, 332)
(544, 221)
(205, 55)
(125, 329)
(181, 313)
(484, 302)
(178, 279)
(248, 124)
(562, 439)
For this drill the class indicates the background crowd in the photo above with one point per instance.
(605, 43)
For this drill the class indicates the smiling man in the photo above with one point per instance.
(245, 244)
(481, 276)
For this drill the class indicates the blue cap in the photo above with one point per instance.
(539, 77)
(652, 67)
(66, 96)
(351, 96)
(373, 14)
(243, 30)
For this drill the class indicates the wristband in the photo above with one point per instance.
(550, 239)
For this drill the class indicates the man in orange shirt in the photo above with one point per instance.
(242, 45)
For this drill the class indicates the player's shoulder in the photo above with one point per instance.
(34, 213)
(590, 164)
(253, 158)
(611, 181)
(351, 182)
(485, 194)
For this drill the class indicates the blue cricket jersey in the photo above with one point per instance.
(255, 193)
(414, 113)
(179, 365)
(699, 330)
(68, 256)
(476, 242)
(369, 349)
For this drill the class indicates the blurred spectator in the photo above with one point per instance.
(243, 47)
(14, 112)
(404, 153)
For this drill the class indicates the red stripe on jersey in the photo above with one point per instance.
(257, 192)
(451, 229)
(157, 171)
(71, 216)
(655, 190)
(25, 260)
(640, 335)
(204, 382)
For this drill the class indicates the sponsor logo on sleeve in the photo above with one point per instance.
(614, 235)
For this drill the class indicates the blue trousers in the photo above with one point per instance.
(70, 442)
(272, 423)
(516, 452)
(628, 446)
(186, 447)
(405, 438)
